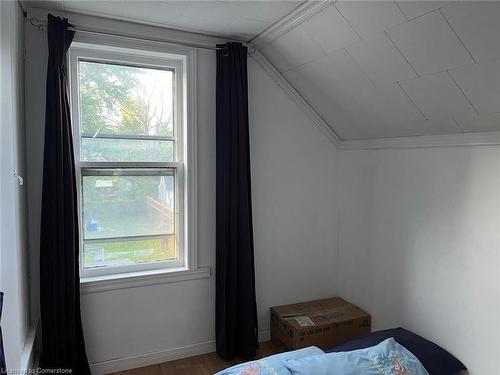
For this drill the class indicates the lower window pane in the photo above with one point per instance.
(127, 206)
(124, 253)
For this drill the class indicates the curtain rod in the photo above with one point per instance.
(41, 24)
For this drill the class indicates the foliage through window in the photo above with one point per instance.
(130, 151)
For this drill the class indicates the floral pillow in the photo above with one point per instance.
(272, 365)
(386, 358)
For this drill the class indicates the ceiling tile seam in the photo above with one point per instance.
(349, 23)
(462, 91)
(295, 18)
(400, 11)
(458, 125)
(284, 71)
(431, 11)
(439, 71)
(458, 36)
(365, 74)
(412, 102)
(318, 44)
(317, 58)
(401, 53)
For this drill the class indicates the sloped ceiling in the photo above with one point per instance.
(374, 69)
(236, 19)
(370, 69)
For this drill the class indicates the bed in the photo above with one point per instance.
(395, 351)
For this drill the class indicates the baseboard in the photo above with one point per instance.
(264, 335)
(153, 358)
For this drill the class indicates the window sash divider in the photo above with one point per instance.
(90, 241)
(127, 137)
(88, 166)
(136, 172)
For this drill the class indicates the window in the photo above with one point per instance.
(129, 111)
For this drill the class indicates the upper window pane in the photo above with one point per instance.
(122, 108)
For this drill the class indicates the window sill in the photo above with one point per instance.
(137, 279)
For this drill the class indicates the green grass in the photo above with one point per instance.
(129, 252)
(121, 224)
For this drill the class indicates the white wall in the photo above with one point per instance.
(13, 240)
(293, 185)
(294, 169)
(419, 245)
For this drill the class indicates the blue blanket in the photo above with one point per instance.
(386, 358)
(272, 365)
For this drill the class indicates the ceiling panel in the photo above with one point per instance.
(165, 13)
(223, 18)
(355, 105)
(437, 96)
(382, 61)
(101, 8)
(387, 111)
(414, 9)
(478, 25)
(429, 44)
(370, 17)
(437, 126)
(479, 123)
(330, 30)
(329, 83)
(337, 117)
(481, 84)
(270, 11)
(44, 4)
(231, 19)
(293, 49)
(337, 76)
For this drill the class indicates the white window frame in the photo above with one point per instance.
(182, 60)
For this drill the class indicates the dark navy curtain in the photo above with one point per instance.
(62, 335)
(3, 366)
(236, 310)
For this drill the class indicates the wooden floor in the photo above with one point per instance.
(205, 364)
